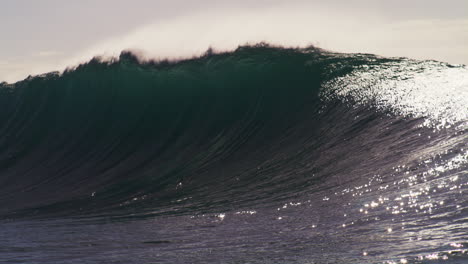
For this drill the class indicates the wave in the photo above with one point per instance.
(258, 123)
(327, 148)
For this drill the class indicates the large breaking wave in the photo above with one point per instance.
(354, 140)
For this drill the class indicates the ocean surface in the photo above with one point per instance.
(260, 155)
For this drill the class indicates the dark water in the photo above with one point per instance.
(261, 155)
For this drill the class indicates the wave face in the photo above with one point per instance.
(260, 155)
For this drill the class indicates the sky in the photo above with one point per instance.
(49, 35)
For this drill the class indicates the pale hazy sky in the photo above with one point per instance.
(41, 36)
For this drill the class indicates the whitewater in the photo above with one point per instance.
(259, 155)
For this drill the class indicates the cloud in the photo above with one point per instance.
(47, 53)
